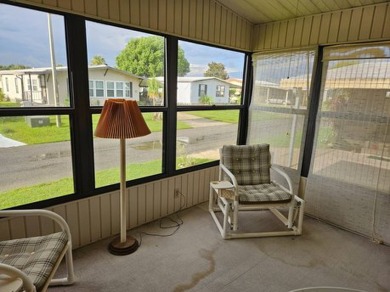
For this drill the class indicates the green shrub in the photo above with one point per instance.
(205, 99)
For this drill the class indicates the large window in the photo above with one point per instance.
(35, 141)
(49, 114)
(349, 179)
(279, 105)
(201, 82)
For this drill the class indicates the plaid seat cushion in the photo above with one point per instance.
(250, 164)
(35, 256)
(263, 193)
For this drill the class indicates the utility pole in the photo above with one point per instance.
(53, 68)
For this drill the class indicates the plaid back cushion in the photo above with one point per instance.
(250, 164)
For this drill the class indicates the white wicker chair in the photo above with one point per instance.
(245, 171)
(34, 260)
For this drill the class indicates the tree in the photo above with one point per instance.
(145, 57)
(216, 70)
(13, 67)
(98, 60)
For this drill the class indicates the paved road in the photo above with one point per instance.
(32, 164)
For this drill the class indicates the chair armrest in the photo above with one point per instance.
(285, 176)
(15, 273)
(38, 212)
(229, 174)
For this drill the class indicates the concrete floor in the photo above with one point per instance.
(196, 258)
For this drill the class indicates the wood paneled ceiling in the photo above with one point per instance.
(263, 11)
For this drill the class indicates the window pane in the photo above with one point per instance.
(124, 56)
(201, 69)
(25, 55)
(200, 134)
(280, 99)
(36, 162)
(143, 154)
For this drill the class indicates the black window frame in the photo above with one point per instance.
(80, 111)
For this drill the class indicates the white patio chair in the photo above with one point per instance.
(32, 262)
(246, 185)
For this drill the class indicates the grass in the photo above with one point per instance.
(226, 116)
(17, 129)
(62, 187)
(9, 104)
(231, 116)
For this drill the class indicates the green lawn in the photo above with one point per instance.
(17, 129)
(64, 186)
(226, 116)
(9, 104)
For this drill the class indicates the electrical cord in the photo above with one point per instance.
(177, 222)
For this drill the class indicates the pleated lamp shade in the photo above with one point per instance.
(121, 118)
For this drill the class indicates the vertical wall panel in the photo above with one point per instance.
(135, 12)
(192, 19)
(298, 32)
(211, 21)
(171, 195)
(164, 198)
(206, 19)
(115, 213)
(162, 15)
(356, 19)
(199, 18)
(282, 34)
(113, 10)
(133, 207)
(366, 24)
(179, 21)
(156, 199)
(315, 30)
(170, 16)
(18, 228)
(275, 35)
(386, 24)
(344, 25)
(84, 222)
(149, 202)
(153, 13)
(72, 217)
(5, 230)
(124, 11)
(145, 16)
(334, 27)
(228, 35)
(31, 222)
(324, 30)
(290, 33)
(105, 213)
(60, 210)
(64, 4)
(78, 5)
(91, 7)
(50, 2)
(357, 24)
(95, 218)
(306, 31)
(141, 197)
(102, 8)
(223, 26)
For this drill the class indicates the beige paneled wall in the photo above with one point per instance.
(352, 25)
(203, 20)
(97, 217)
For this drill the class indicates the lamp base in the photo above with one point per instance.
(117, 247)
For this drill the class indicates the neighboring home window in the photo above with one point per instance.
(129, 89)
(35, 85)
(119, 89)
(16, 85)
(110, 89)
(29, 84)
(91, 88)
(202, 89)
(220, 91)
(6, 84)
(99, 85)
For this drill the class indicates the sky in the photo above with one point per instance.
(24, 40)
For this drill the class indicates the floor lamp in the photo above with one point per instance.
(122, 119)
